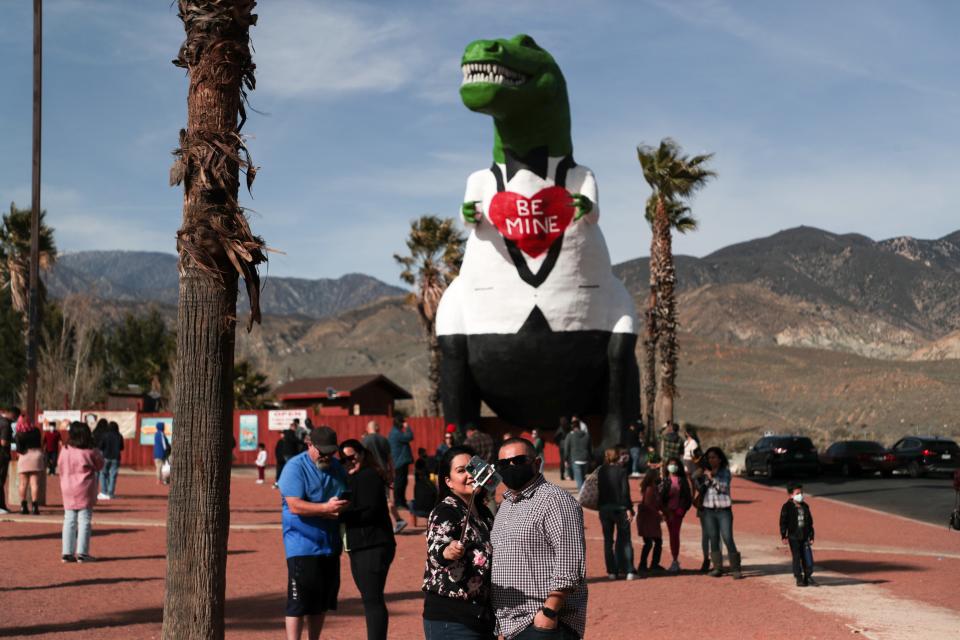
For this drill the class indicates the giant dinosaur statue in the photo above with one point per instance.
(536, 325)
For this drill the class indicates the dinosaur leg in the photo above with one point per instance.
(623, 388)
(458, 391)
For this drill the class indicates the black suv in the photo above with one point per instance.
(919, 455)
(853, 457)
(773, 455)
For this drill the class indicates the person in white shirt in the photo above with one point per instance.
(261, 462)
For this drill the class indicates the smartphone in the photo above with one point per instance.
(346, 495)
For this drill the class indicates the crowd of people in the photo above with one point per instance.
(514, 568)
(518, 572)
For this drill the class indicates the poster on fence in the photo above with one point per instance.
(57, 417)
(248, 432)
(280, 419)
(126, 420)
(148, 427)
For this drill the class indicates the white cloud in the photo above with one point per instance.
(313, 50)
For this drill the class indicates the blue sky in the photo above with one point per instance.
(840, 115)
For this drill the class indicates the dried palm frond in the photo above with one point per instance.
(216, 54)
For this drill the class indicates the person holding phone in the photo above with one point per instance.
(311, 486)
(368, 532)
(456, 579)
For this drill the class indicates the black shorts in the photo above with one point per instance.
(313, 583)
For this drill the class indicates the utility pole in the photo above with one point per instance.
(33, 326)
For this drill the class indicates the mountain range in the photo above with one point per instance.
(804, 329)
(140, 276)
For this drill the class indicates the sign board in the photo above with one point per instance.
(248, 432)
(126, 420)
(58, 416)
(148, 428)
(280, 419)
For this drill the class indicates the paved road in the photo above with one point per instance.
(927, 499)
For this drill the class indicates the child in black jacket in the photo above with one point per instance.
(796, 529)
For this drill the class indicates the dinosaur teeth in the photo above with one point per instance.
(492, 73)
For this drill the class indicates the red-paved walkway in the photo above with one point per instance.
(883, 577)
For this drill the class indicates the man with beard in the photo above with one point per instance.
(539, 587)
(310, 486)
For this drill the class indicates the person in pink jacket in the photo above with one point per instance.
(78, 465)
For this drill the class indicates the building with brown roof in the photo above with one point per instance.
(372, 394)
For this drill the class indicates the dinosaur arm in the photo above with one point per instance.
(587, 199)
(472, 208)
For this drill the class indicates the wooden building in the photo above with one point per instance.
(372, 394)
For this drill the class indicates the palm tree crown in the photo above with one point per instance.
(436, 251)
(15, 254)
(670, 174)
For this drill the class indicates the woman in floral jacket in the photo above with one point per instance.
(456, 578)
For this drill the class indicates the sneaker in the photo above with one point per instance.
(3, 511)
(631, 576)
(657, 568)
(611, 576)
(400, 526)
(636, 474)
(259, 481)
(674, 568)
(67, 558)
(811, 582)
(82, 557)
(801, 582)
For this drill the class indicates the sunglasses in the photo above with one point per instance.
(352, 458)
(515, 461)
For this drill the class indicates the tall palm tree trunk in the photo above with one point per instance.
(215, 244)
(650, 354)
(434, 374)
(665, 314)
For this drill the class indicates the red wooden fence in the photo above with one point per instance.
(428, 434)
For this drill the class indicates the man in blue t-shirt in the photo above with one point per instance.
(310, 486)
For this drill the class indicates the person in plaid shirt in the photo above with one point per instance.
(671, 446)
(539, 588)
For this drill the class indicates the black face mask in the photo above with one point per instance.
(517, 476)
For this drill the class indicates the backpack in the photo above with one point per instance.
(589, 496)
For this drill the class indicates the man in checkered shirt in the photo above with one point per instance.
(539, 588)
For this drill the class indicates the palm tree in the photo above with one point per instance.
(215, 247)
(436, 251)
(673, 177)
(249, 386)
(15, 255)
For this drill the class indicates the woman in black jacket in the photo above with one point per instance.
(616, 512)
(456, 578)
(369, 533)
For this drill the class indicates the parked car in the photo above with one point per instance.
(854, 457)
(920, 455)
(773, 455)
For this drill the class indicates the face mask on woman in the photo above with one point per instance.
(798, 497)
(672, 468)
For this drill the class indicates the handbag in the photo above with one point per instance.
(589, 496)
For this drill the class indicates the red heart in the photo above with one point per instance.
(532, 223)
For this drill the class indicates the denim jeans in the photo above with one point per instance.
(618, 555)
(76, 531)
(108, 476)
(579, 473)
(718, 523)
(443, 630)
(635, 460)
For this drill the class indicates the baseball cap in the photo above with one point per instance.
(451, 428)
(324, 439)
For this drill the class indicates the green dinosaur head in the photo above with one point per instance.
(521, 86)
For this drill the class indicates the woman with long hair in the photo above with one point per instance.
(79, 464)
(29, 463)
(717, 511)
(368, 533)
(675, 500)
(616, 512)
(456, 579)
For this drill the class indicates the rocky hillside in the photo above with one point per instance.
(139, 276)
(808, 287)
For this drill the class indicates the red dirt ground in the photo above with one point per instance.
(121, 596)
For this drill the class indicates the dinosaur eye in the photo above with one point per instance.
(527, 41)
